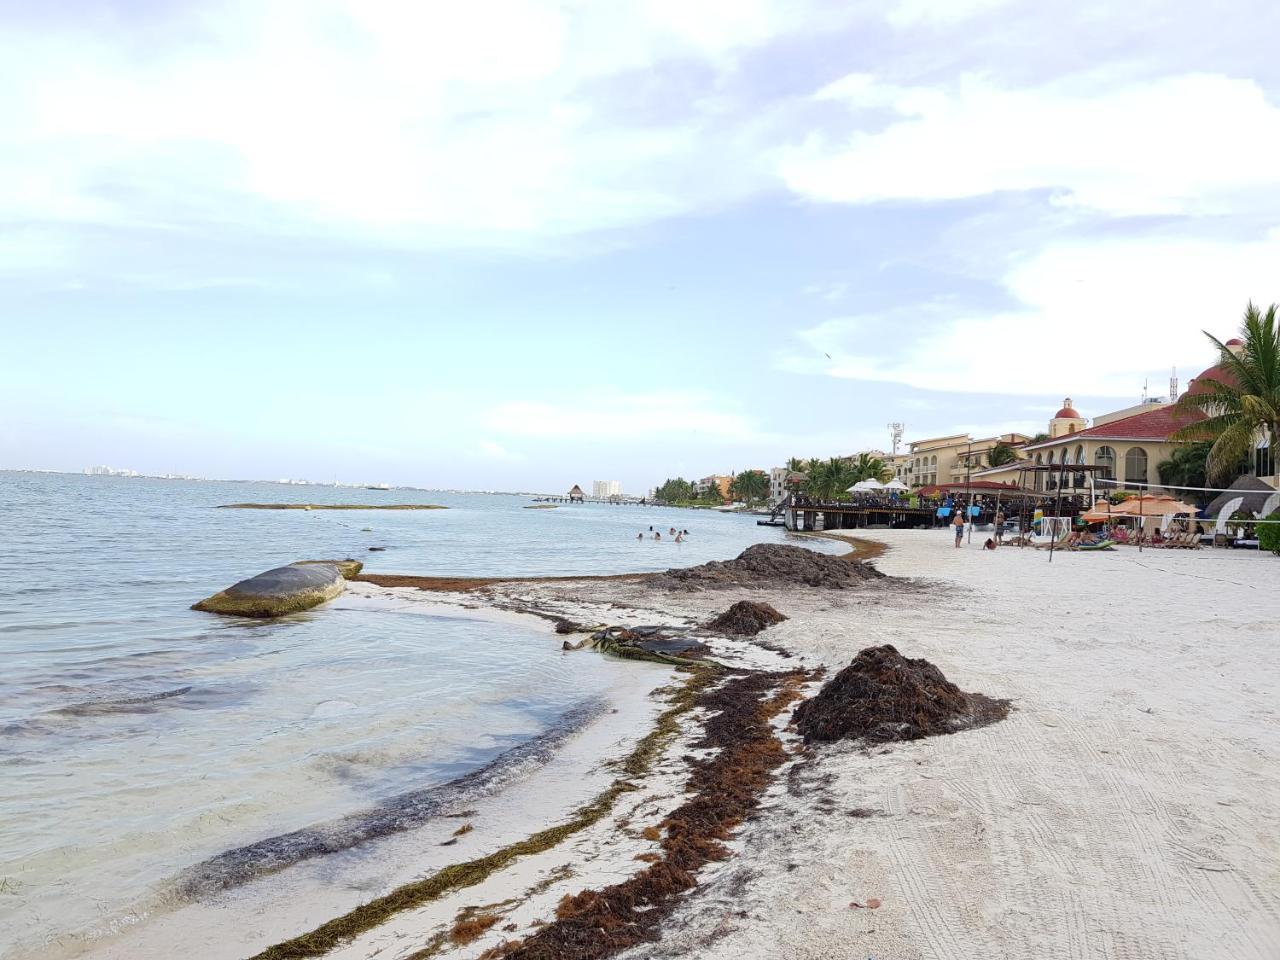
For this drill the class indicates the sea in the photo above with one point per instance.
(150, 752)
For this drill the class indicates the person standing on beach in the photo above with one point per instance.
(958, 524)
(999, 526)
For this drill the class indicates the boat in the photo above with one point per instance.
(378, 486)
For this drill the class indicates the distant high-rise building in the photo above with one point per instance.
(603, 489)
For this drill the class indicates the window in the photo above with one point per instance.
(1135, 465)
(1080, 453)
(1105, 458)
(1264, 463)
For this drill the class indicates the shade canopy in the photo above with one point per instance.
(864, 485)
(1143, 506)
(895, 484)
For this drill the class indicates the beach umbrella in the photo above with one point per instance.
(895, 484)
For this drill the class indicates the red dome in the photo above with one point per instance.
(1235, 342)
(1068, 412)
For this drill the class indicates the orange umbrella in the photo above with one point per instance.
(1146, 505)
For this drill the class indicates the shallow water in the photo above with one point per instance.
(139, 739)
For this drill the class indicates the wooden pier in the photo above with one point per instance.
(815, 517)
(611, 501)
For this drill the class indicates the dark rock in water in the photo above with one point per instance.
(665, 644)
(746, 618)
(885, 696)
(677, 646)
(771, 565)
(348, 568)
(277, 592)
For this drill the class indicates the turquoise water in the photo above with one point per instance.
(139, 739)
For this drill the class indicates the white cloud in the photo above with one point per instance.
(831, 292)
(495, 451)
(674, 415)
(1097, 318)
(480, 121)
(907, 13)
(1197, 143)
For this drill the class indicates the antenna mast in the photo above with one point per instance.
(895, 436)
(1173, 386)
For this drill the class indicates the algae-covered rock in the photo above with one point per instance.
(290, 589)
(348, 568)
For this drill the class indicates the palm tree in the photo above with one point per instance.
(750, 486)
(835, 477)
(1001, 454)
(1186, 468)
(867, 467)
(1240, 399)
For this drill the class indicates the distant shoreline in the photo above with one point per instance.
(331, 506)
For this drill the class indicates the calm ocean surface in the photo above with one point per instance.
(138, 738)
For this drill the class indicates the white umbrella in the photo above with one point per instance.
(895, 484)
(866, 485)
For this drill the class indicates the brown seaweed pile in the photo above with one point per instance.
(746, 618)
(726, 788)
(884, 696)
(771, 565)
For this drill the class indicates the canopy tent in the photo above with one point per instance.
(896, 484)
(862, 486)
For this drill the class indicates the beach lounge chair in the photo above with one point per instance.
(1059, 544)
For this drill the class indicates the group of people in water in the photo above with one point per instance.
(679, 535)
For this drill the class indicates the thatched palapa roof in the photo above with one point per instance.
(1255, 492)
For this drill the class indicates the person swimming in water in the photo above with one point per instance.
(679, 538)
(657, 536)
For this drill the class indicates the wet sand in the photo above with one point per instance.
(1128, 807)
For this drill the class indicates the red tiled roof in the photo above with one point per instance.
(1155, 424)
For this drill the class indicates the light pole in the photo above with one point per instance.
(968, 490)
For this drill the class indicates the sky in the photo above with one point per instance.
(513, 244)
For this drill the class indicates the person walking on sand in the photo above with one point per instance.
(958, 524)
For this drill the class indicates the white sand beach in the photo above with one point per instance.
(1129, 807)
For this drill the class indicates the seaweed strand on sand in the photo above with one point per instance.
(683, 698)
(726, 789)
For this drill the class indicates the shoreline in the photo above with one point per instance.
(1122, 794)
(600, 742)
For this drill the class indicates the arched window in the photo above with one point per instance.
(1080, 453)
(1105, 458)
(1135, 465)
